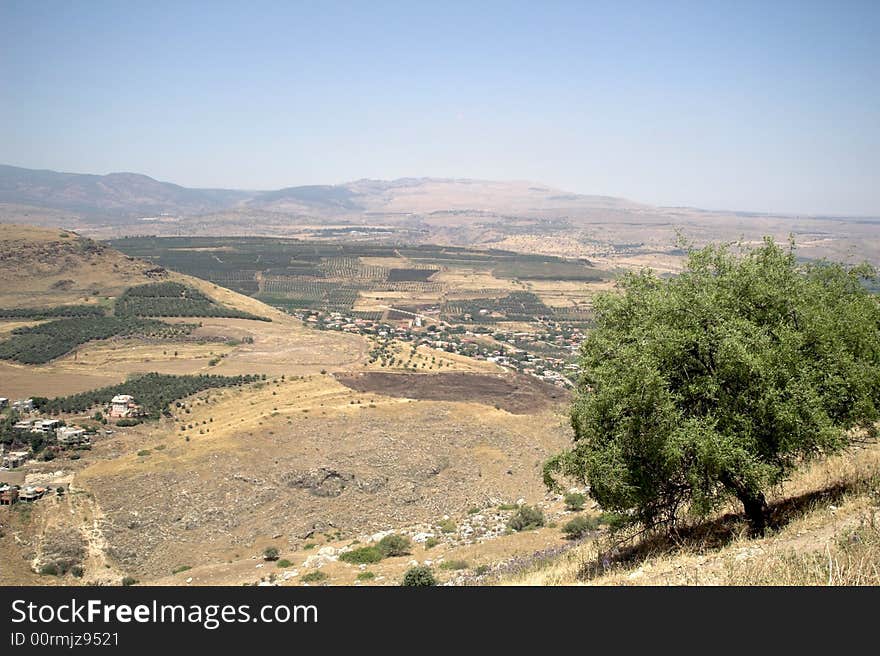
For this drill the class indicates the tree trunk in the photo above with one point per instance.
(753, 503)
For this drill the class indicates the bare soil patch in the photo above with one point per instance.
(513, 393)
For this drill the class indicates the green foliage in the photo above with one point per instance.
(419, 576)
(283, 563)
(574, 501)
(615, 521)
(430, 543)
(454, 564)
(270, 553)
(313, 577)
(526, 518)
(52, 312)
(124, 423)
(180, 568)
(49, 569)
(172, 299)
(129, 580)
(720, 381)
(394, 545)
(365, 576)
(45, 342)
(579, 526)
(153, 391)
(362, 555)
(446, 525)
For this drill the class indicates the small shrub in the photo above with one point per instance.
(49, 569)
(77, 571)
(574, 501)
(419, 576)
(270, 553)
(526, 519)
(365, 576)
(430, 543)
(614, 521)
(446, 525)
(309, 545)
(580, 526)
(454, 564)
(284, 563)
(313, 577)
(144, 452)
(129, 580)
(394, 545)
(181, 568)
(508, 506)
(482, 569)
(362, 555)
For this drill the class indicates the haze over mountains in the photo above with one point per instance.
(515, 215)
(132, 195)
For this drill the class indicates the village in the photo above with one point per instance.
(26, 436)
(549, 353)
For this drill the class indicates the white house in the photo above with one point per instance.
(123, 406)
(24, 405)
(71, 436)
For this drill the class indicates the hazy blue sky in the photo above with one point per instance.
(764, 106)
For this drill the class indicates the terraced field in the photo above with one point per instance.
(372, 278)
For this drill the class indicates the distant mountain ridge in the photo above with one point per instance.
(115, 194)
(131, 195)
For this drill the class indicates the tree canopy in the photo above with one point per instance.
(718, 382)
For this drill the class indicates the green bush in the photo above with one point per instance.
(129, 580)
(313, 577)
(430, 543)
(49, 569)
(580, 526)
(614, 520)
(365, 576)
(270, 553)
(574, 501)
(362, 555)
(284, 563)
(419, 576)
(454, 564)
(180, 568)
(394, 545)
(526, 518)
(446, 525)
(77, 571)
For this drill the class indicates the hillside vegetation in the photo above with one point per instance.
(153, 391)
(45, 342)
(173, 299)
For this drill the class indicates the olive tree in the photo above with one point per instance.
(720, 381)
